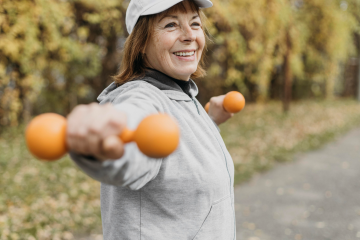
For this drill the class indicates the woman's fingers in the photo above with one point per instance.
(112, 148)
(217, 102)
(217, 111)
(93, 129)
(75, 131)
(106, 143)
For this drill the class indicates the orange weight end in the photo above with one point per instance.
(234, 102)
(207, 107)
(157, 136)
(46, 136)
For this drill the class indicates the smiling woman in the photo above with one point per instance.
(188, 194)
(177, 43)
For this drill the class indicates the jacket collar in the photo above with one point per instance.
(173, 88)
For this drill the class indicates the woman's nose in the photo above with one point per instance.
(188, 34)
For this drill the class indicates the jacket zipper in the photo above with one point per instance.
(227, 169)
(197, 108)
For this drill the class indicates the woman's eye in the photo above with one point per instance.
(170, 25)
(196, 24)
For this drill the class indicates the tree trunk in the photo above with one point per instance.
(358, 78)
(287, 76)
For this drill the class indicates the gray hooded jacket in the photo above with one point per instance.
(187, 195)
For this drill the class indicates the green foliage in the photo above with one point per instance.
(63, 53)
(329, 41)
(251, 41)
(51, 53)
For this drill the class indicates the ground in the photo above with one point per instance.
(314, 197)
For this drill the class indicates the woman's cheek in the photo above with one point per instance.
(202, 42)
(199, 55)
(165, 39)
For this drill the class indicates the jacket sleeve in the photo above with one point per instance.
(133, 169)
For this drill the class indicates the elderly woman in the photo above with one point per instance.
(189, 194)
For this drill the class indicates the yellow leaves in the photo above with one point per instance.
(92, 18)
(67, 25)
(254, 41)
(255, 47)
(33, 82)
(84, 90)
(83, 33)
(236, 45)
(2, 73)
(4, 26)
(319, 33)
(10, 47)
(42, 37)
(297, 65)
(107, 14)
(41, 62)
(234, 75)
(64, 55)
(10, 104)
(214, 70)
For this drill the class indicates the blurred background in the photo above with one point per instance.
(295, 61)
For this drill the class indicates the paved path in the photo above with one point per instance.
(315, 197)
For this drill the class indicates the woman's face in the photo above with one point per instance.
(176, 45)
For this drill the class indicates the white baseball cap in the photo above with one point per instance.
(139, 8)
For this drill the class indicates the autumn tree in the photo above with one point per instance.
(56, 54)
(306, 40)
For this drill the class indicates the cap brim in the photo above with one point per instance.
(166, 4)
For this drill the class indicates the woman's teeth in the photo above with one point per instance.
(184, 54)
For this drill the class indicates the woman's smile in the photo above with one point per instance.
(185, 55)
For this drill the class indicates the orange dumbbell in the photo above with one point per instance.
(233, 102)
(157, 136)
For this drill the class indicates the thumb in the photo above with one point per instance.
(112, 147)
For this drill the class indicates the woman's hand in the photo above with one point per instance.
(216, 110)
(93, 130)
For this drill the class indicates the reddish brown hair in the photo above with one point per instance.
(133, 63)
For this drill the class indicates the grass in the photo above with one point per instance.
(261, 135)
(53, 200)
(43, 200)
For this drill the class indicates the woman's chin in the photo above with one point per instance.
(184, 71)
(183, 75)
